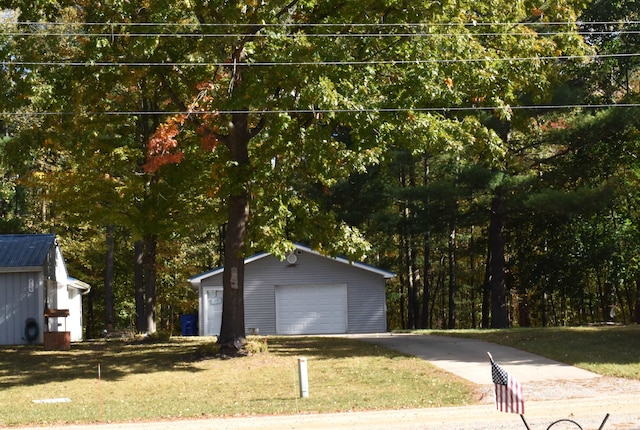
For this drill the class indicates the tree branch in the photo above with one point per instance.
(175, 98)
(253, 132)
(286, 8)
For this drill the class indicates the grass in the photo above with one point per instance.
(167, 380)
(607, 350)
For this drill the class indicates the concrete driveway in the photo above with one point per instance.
(468, 359)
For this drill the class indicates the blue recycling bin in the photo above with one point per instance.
(189, 324)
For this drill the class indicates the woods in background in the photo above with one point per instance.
(486, 154)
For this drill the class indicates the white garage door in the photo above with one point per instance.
(311, 309)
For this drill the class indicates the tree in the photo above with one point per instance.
(277, 170)
(287, 98)
(576, 245)
(94, 166)
(584, 208)
(295, 120)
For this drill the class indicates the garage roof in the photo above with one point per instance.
(195, 281)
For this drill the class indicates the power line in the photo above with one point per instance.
(418, 27)
(323, 25)
(330, 111)
(8, 63)
(319, 35)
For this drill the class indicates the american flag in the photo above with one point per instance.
(509, 397)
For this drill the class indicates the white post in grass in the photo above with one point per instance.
(304, 377)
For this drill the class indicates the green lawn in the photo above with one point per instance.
(607, 350)
(146, 381)
(166, 379)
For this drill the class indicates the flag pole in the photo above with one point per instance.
(525, 422)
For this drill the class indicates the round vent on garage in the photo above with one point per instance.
(292, 258)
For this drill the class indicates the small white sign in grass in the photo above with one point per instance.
(58, 400)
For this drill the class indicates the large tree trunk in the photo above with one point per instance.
(499, 314)
(636, 313)
(138, 282)
(89, 313)
(486, 292)
(412, 287)
(150, 254)
(406, 239)
(426, 265)
(451, 324)
(414, 282)
(109, 313)
(232, 331)
(414, 244)
(473, 291)
(424, 321)
(405, 296)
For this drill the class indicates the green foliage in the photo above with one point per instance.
(583, 201)
(359, 147)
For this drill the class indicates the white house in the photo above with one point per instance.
(308, 293)
(37, 296)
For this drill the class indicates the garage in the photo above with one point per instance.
(304, 293)
(311, 309)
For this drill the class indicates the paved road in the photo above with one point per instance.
(565, 392)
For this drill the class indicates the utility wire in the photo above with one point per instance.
(323, 25)
(330, 111)
(317, 35)
(37, 32)
(418, 26)
(8, 63)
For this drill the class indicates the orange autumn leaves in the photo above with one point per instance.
(163, 147)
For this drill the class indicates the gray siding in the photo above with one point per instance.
(17, 303)
(367, 304)
(200, 310)
(32, 272)
(366, 298)
(213, 281)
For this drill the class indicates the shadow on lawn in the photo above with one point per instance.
(31, 364)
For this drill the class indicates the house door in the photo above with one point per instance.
(213, 311)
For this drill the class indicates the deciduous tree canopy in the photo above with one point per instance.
(408, 134)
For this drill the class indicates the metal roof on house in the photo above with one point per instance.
(24, 250)
(195, 280)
